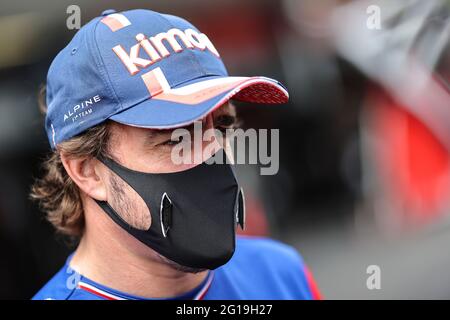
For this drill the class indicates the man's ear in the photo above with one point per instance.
(87, 174)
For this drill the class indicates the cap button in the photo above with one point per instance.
(108, 12)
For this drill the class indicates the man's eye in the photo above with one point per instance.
(224, 122)
(173, 142)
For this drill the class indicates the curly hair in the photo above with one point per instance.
(57, 194)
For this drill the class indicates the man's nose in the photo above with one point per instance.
(208, 122)
(211, 143)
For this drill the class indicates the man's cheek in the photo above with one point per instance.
(131, 207)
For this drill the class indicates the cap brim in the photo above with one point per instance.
(192, 101)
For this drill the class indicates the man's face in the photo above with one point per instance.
(150, 150)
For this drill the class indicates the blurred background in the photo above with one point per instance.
(364, 173)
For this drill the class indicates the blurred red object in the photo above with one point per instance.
(413, 164)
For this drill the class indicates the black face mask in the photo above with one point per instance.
(194, 212)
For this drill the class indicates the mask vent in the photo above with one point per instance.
(165, 214)
(240, 212)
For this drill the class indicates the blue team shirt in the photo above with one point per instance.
(260, 268)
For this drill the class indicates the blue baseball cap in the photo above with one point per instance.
(144, 69)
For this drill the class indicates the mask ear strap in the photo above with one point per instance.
(165, 214)
(109, 163)
(113, 214)
(240, 211)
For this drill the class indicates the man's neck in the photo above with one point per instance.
(108, 255)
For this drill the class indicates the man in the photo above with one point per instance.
(149, 227)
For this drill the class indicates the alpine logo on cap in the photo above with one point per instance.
(156, 49)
